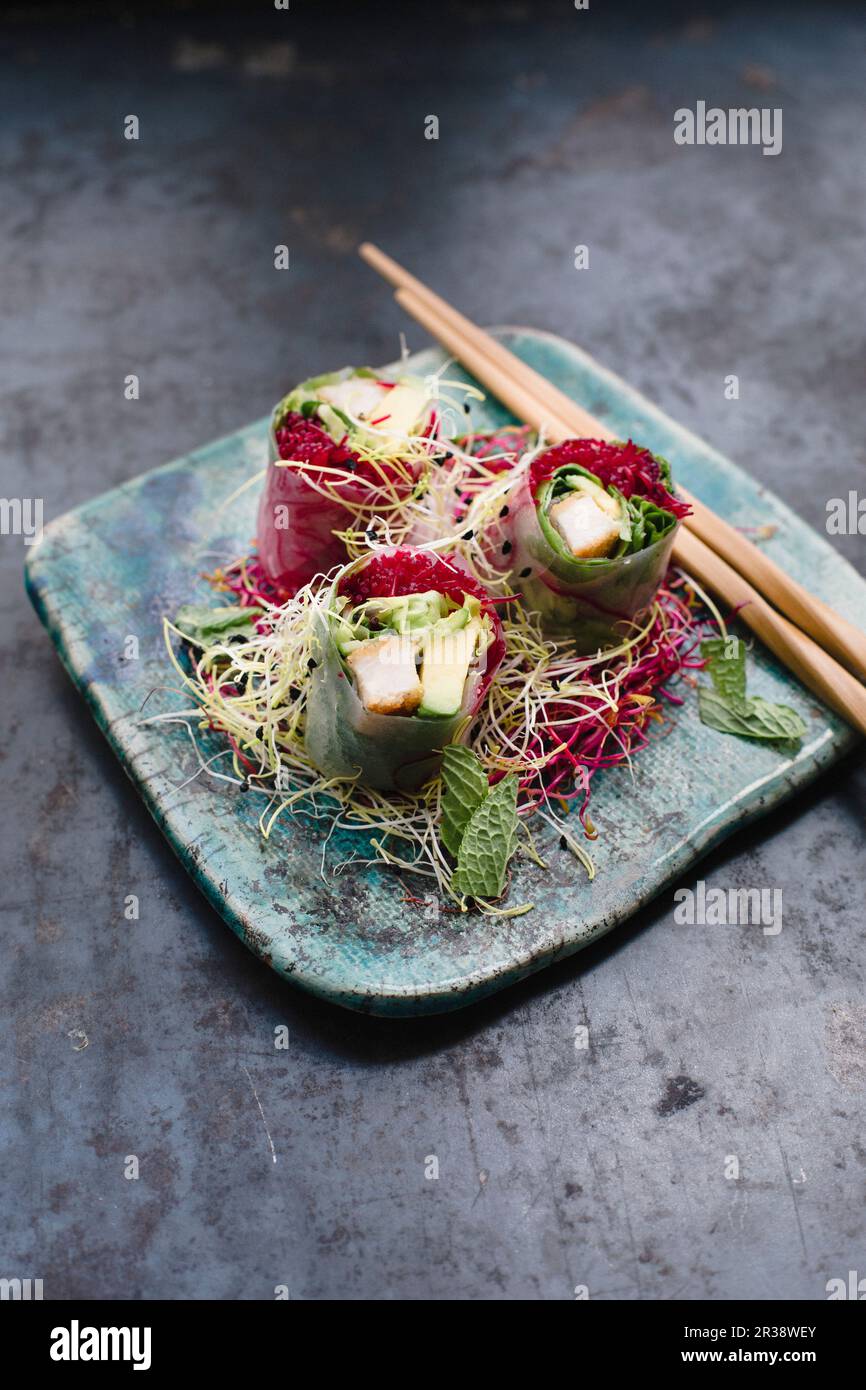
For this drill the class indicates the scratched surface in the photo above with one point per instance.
(558, 1167)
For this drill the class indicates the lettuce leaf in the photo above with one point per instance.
(649, 523)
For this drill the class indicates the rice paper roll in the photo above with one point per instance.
(320, 469)
(587, 532)
(405, 647)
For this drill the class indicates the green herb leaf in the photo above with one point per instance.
(464, 787)
(488, 843)
(750, 717)
(726, 665)
(729, 709)
(205, 625)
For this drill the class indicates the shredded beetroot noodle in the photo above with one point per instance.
(627, 467)
(409, 571)
(587, 736)
(305, 442)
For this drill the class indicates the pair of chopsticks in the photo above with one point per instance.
(802, 631)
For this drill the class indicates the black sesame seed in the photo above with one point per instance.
(467, 535)
(311, 664)
(563, 843)
(244, 786)
(506, 549)
(504, 511)
(524, 574)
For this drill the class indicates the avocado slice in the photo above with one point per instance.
(444, 667)
(400, 409)
(405, 612)
(453, 622)
(359, 395)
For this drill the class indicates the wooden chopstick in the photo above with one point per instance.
(815, 667)
(521, 400)
(581, 423)
(829, 629)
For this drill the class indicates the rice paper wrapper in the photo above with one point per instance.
(590, 602)
(388, 752)
(296, 522)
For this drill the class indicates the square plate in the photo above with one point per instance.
(112, 568)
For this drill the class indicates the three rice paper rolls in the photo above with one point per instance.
(406, 643)
(587, 534)
(335, 446)
(404, 650)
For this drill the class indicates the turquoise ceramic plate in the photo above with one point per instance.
(111, 569)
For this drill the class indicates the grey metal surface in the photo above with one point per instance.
(558, 1166)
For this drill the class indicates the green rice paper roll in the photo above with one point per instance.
(405, 647)
(587, 532)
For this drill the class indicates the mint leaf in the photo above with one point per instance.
(488, 843)
(749, 717)
(726, 665)
(205, 625)
(728, 708)
(464, 787)
(780, 721)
